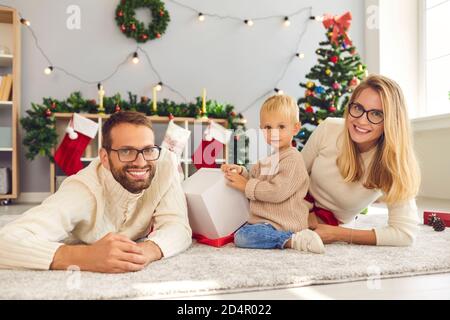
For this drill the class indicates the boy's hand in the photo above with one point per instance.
(236, 181)
(230, 167)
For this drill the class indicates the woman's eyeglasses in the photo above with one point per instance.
(374, 116)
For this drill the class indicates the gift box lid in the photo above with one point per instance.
(444, 216)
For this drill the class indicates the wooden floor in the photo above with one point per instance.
(435, 286)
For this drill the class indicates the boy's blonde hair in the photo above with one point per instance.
(394, 169)
(281, 104)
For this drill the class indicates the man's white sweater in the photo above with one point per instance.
(90, 205)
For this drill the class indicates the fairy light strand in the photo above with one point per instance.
(283, 18)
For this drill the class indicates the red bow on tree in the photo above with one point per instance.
(340, 25)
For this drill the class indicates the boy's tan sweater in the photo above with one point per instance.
(277, 191)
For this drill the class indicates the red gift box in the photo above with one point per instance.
(444, 216)
(220, 242)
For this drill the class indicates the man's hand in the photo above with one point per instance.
(152, 251)
(231, 168)
(113, 253)
(236, 181)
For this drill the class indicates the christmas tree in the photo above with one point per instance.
(332, 80)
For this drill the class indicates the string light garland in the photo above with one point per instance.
(201, 17)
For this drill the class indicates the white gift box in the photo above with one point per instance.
(215, 209)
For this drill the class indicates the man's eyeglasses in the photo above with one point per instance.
(374, 116)
(130, 154)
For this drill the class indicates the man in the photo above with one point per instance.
(132, 192)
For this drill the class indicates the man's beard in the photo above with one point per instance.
(120, 174)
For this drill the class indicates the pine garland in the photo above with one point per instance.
(133, 28)
(39, 124)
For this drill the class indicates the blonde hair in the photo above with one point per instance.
(281, 104)
(394, 168)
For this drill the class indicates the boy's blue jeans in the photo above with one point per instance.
(261, 236)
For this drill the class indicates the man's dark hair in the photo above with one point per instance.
(132, 117)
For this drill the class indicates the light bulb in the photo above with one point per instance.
(249, 22)
(317, 18)
(287, 22)
(279, 91)
(135, 58)
(48, 70)
(201, 17)
(25, 22)
(300, 55)
(158, 87)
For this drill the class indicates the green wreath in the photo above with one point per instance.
(132, 28)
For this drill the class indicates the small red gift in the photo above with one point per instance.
(444, 216)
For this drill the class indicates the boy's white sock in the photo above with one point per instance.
(307, 240)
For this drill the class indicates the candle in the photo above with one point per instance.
(101, 94)
(154, 99)
(204, 102)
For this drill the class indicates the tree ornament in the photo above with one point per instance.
(431, 219)
(171, 117)
(48, 113)
(336, 86)
(319, 90)
(334, 59)
(309, 109)
(310, 84)
(126, 16)
(328, 72)
(360, 67)
(332, 109)
(53, 106)
(354, 82)
(309, 93)
(117, 109)
(438, 224)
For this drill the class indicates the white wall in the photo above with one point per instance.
(235, 63)
(399, 47)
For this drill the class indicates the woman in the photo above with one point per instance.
(354, 161)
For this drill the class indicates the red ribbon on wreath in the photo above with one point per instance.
(340, 25)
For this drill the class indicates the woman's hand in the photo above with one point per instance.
(327, 233)
(236, 181)
(231, 167)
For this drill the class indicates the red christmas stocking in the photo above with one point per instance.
(216, 136)
(206, 154)
(79, 134)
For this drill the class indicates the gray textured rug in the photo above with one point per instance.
(207, 270)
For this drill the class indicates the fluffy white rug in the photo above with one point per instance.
(206, 270)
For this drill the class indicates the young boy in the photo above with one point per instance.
(277, 186)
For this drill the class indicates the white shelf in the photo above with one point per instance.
(6, 103)
(6, 149)
(6, 60)
(190, 161)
